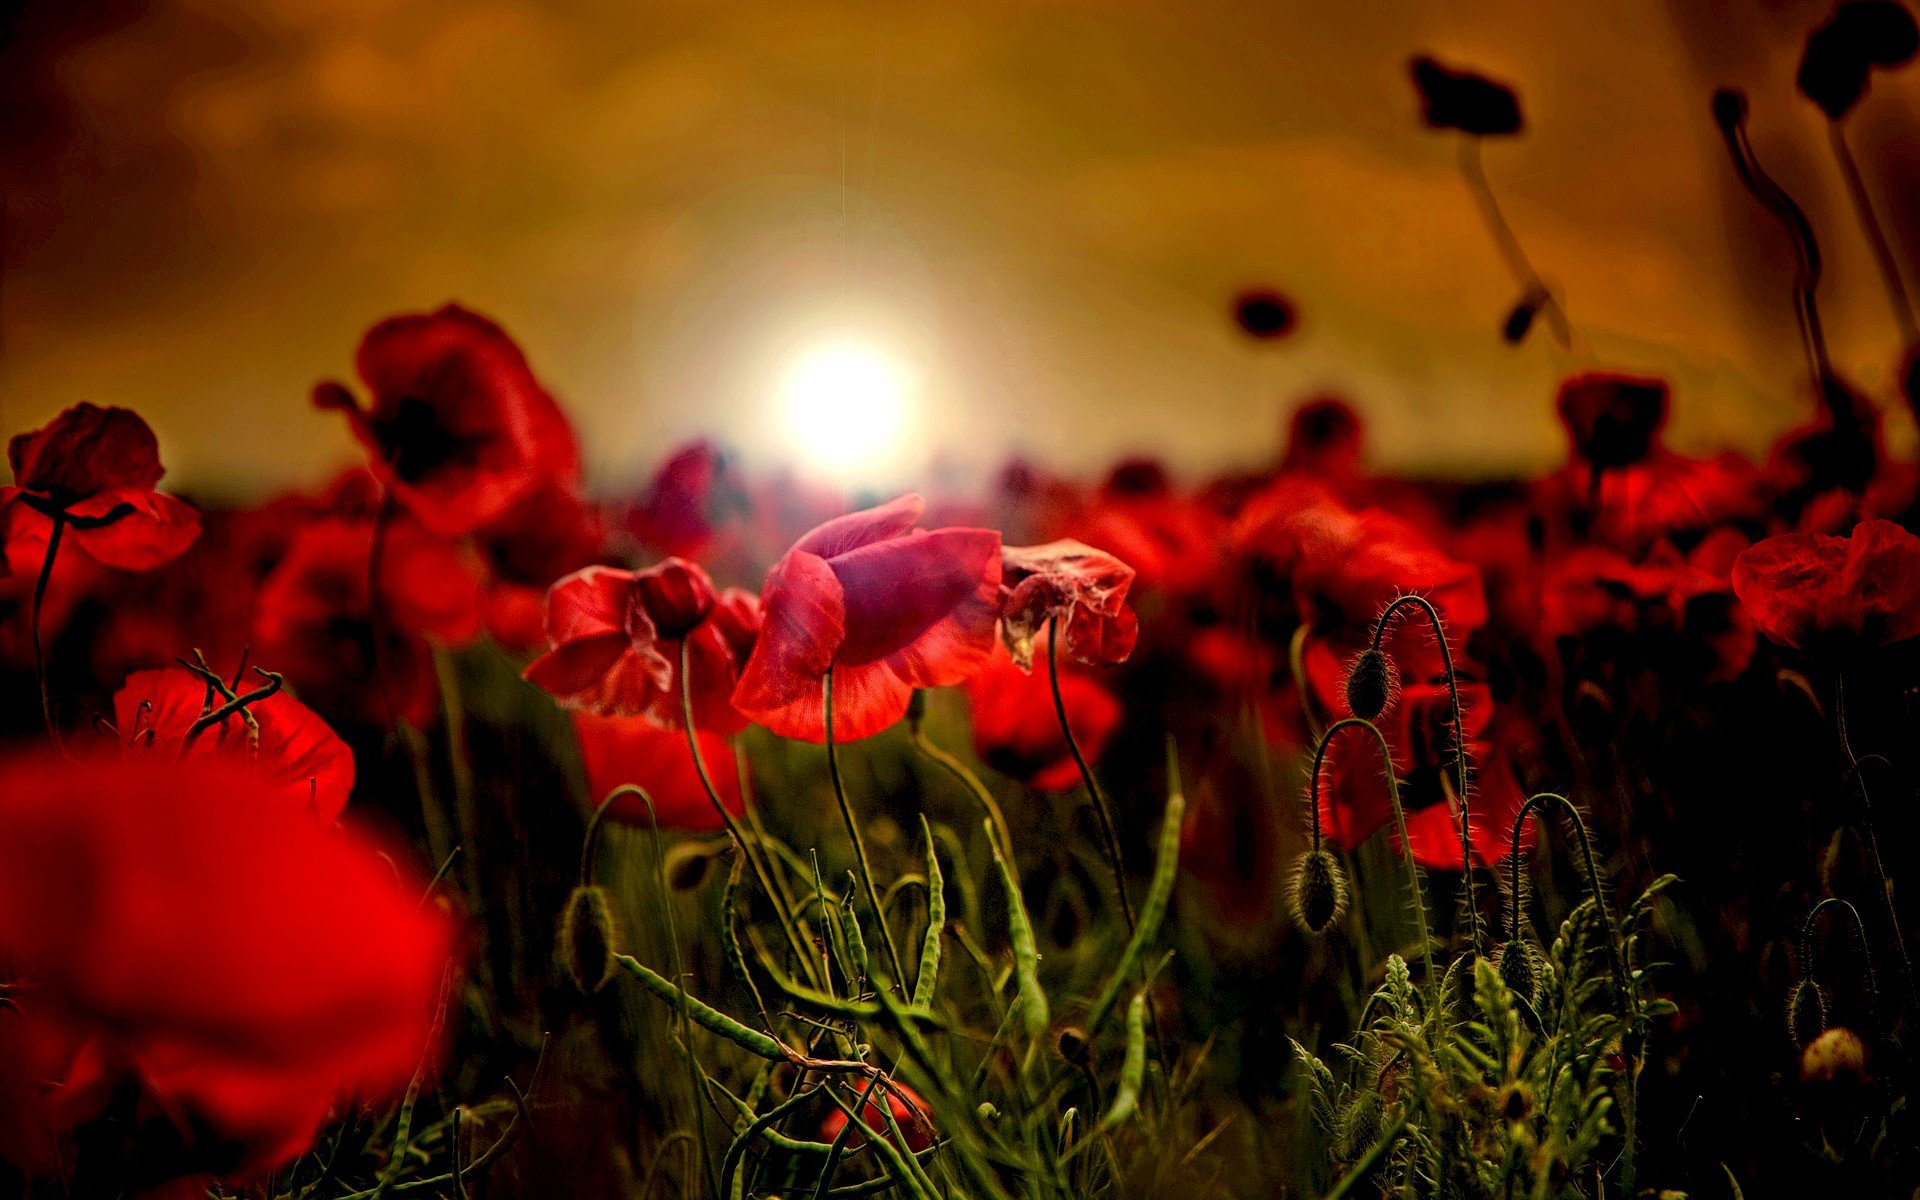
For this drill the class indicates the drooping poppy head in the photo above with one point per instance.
(217, 970)
(1612, 419)
(1837, 596)
(1462, 100)
(1841, 54)
(1324, 439)
(637, 751)
(615, 639)
(1016, 730)
(886, 608)
(170, 713)
(1081, 589)
(456, 424)
(95, 470)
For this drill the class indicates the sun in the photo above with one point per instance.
(846, 406)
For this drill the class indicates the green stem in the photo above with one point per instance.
(39, 649)
(853, 832)
(1808, 959)
(1459, 749)
(1109, 838)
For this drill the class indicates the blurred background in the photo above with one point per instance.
(1020, 224)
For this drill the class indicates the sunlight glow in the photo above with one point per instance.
(847, 406)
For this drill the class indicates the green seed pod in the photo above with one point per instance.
(1806, 1012)
(1319, 893)
(1517, 968)
(589, 937)
(1372, 683)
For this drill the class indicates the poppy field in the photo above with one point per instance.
(474, 826)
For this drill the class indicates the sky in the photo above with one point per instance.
(1034, 213)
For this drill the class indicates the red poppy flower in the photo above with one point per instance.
(457, 425)
(886, 607)
(637, 751)
(1612, 419)
(910, 1113)
(1325, 439)
(1595, 589)
(693, 503)
(94, 470)
(301, 761)
(194, 960)
(1834, 595)
(615, 638)
(1082, 589)
(550, 533)
(1017, 732)
(316, 621)
(1465, 101)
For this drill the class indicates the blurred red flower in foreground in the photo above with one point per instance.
(301, 761)
(911, 1114)
(1017, 732)
(203, 978)
(1834, 595)
(634, 750)
(457, 425)
(1083, 589)
(615, 638)
(886, 607)
(94, 470)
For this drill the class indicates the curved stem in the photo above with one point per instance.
(1104, 813)
(1592, 866)
(741, 844)
(1399, 818)
(1459, 748)
(1808, 958)
(954, 767)
(1876, 234)
(1866, 822)
(1509, 242)
(853, 832)
(39, 649)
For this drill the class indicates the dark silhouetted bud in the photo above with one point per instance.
(1319, 892)
(1372, 682)
(1806, 1012)
(589, 938)
(1071, 1042)
(1517, 968)
(1263, 315)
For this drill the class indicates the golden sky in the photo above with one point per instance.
(1042, 207)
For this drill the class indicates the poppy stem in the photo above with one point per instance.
(1110, 840)
(853, 832)
(1858, 779)
(39, 647)
(954, 767)
(1469, 901)
(1809, 959)
(1509, 242)
(1876, 233)
(741, 843)
(1399, 819)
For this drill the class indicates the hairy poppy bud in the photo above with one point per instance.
(1371, 684)
(1836, 1055)
(677, 595)
(1806, 1012)
(589, 938)
(1319, 892)
(1517, 968)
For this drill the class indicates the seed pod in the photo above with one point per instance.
(1319, 893)
(1517, 969)
(1372, 683)
(589, 937)
(1806, 1012)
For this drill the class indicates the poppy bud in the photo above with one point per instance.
(1519, 320)
(688, 867)
(1372, 682)
(677, 595)
(1319, 892)
(917, 708)
(589, 938)
(1263, 315)
(1516, 965)
(1806, 1013)
(1071, 1042)
(1837, 1054)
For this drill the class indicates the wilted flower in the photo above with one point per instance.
(94, 470)
(1081, 589)
(885, 607)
